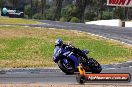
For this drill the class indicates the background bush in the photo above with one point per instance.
(75, 20)
(28, 11)
(69, 12)
(90, 16)
(107, 15)
(63, 19)
(49, 14)
(37, 16)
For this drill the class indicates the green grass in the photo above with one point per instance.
(5, 20)
(33, 47)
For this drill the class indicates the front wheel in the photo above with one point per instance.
(68, 67)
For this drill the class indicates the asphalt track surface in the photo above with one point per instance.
(55, 75)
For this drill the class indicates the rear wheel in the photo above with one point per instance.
(68, 67)
(95, 67)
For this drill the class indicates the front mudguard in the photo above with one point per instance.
(55, 59)
(71, 57)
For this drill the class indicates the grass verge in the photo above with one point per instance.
(6, 20)
(22, 47)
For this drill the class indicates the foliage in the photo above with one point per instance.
(26, 16)
(28, 11)
(119, 13)
(37, 16)
(63, 19)
(68, 12)
(13, 2)
(107, 15)
(2, 2)
(80, 8)
(49, 14)
(90, 16)
(57, 9)
(43, 8)
(75, 20)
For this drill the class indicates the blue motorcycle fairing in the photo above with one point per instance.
(57, 52)
(74, 59)
(65, 54)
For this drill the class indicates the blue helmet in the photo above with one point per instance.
(58, 42)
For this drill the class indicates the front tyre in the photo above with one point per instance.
(66, 68)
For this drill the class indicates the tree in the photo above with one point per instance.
(69, 12)
(43, 7)
(28, 11)
(31, 11)
(80, 7)
(14, 2)
(36, 6)
(1, 2)
(57, 9)
(101, 7)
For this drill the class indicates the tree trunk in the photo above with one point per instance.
(57, 10)
(81, 5)
(14, 2)
(31, 2)
(101, 9)
(37, 6)
(43, 3)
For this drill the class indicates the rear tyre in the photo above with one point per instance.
(95, 67)
(65, 68)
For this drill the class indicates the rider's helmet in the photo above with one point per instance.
(58, 42)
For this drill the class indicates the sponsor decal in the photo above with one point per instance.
(108, 77)
(83, 77)
(126, 3)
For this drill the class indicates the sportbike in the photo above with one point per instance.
(69, 58)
